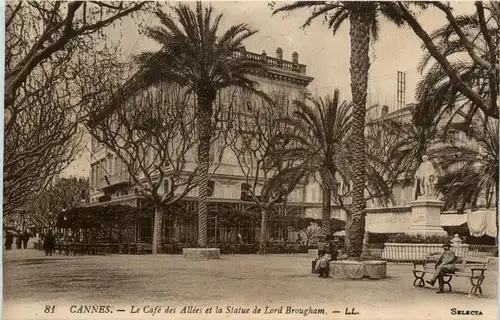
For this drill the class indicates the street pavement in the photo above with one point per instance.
(234, 281)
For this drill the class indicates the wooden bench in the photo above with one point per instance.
(468, 267)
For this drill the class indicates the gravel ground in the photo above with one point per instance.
(235, 280)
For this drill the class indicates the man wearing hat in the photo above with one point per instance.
(445, 263)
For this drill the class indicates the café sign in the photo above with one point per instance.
(388, 222)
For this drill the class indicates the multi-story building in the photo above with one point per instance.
(111, 181)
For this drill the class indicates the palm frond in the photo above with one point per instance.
(299, 5)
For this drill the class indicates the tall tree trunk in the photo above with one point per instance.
(157, 229)
(204, 123)
(284, 221)
(263, 232)
(496, 208)
(347, 239)
(326, 207)
(360, 23)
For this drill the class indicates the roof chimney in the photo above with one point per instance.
(295, 57)
(279, 53)
(385, 110)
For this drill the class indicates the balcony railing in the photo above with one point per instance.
(114, 180)
(272, 62)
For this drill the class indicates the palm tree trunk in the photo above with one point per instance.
(204, 123)
(347, 239)
(326, 207)
(157, 229)
(360, 23)
(263, 232)
(496, 207)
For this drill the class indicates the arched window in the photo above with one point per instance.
(211, 188)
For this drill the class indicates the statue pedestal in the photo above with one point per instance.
(425, 216)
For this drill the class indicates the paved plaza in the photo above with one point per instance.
(246, 281)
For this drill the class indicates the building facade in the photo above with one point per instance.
(111, 182)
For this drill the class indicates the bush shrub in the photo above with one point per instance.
(234, 248)
(379, 237)
(418, 238)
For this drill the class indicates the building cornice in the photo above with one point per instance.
(276, 74)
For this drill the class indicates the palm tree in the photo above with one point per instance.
(203, 61)
(323, 128)
(478, 166)
(441, 101)
(364, 26)
(438, 95)
(406, 143)
(475, 36)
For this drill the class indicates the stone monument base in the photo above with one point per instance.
(427, 231)
(426, 216)
(201, 253)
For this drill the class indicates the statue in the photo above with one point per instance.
(425, 178)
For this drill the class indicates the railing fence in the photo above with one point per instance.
(411, 252)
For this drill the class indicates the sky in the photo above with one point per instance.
(326, 56)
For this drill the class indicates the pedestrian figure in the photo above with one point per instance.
(26, 237)
(48, 243)
(9, 239)
(445, 264)
(330, 252)
(19, 240)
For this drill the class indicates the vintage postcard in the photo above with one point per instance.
(250, 160)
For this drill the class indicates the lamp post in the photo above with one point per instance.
(65, 228)
(22, 213)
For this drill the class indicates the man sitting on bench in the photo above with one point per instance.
(445, 264)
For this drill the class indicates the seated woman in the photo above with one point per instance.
(330, 253)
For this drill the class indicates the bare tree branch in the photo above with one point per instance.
(260, 143)
(60, 29)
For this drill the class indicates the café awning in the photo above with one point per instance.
(453, 220)
(482, 222)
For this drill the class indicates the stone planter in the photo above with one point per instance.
(348, 269)
(411, 252)
(201, 253)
